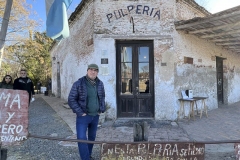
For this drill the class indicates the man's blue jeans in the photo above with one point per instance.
(86, 124)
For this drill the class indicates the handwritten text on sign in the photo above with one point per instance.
(13, 116)
(146, 151)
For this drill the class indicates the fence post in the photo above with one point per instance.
(145, 131)
(237, 150)
(3, 155)
(140, 132)
(137, 132)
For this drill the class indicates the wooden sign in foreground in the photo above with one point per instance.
(154, 151)
(13, 116)
(237, 150)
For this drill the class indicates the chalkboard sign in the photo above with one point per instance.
(13, 116)
(171, 151)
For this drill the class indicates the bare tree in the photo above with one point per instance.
(33, 55)
(19, 26)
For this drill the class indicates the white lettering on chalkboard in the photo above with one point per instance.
(11, 129)
(150, 150)
(16, 99)
(13, 116)
(12, 138)
(9, 116)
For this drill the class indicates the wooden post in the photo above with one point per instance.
(3, 154)
(137, 132)
(237, 150)
(145, 131)
(140, 132)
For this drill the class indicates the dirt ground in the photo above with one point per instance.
(220, 152)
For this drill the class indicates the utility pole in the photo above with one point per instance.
(4, 27)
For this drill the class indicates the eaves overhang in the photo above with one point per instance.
(222, 28)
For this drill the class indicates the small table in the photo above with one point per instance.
(203, 106)
(182, 110)
(192, 102)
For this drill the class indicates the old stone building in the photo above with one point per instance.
(147, 53)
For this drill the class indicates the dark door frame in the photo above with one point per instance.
(135, 43)
(219, 77)
(58, 80)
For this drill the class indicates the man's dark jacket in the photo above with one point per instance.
(77, 99)
(24, 84)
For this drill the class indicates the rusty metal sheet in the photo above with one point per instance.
(13, 116)
(151, 151)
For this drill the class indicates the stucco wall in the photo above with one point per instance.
(107, 72)
(74, 53)
(146, 27)
(96, 29)
(114, 17)
(232, 77)
(201, 75)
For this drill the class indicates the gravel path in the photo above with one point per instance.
(44, 121)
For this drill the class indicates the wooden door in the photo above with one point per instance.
(135, 79)
(219, 66)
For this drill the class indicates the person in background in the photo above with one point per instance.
(50, 84)
(24, 83)
(39, 85)
(87, 100)
(6, 82)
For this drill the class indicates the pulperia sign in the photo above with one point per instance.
(153, 151)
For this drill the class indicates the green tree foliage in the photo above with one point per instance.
(33, 55)
(19, 25)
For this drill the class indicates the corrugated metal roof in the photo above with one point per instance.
(222, 28)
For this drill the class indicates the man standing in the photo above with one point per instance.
(87, 100)
(39, 85)
(24, 83)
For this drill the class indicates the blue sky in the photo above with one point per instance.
(215, 6)
(212, 6)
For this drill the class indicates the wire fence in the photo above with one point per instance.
(50, 148)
